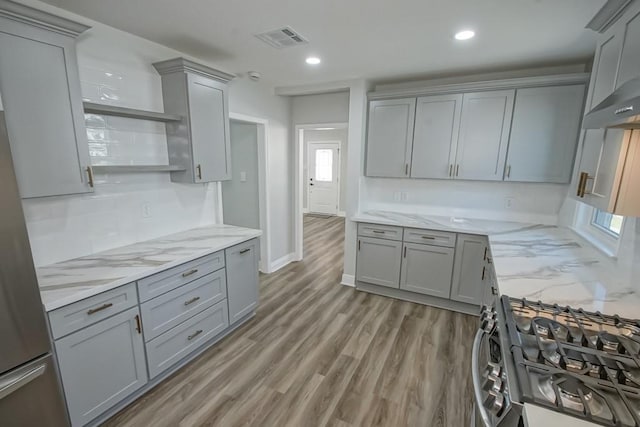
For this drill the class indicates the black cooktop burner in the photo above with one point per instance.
(576, 362)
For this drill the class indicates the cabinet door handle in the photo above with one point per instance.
(138, 324)
(582, 184)
(484, 258)
(406, 168)
(244, 251)
(494, 291)
(457, 169)
(378, 231)
(97, 309)
(358, 245)
(450, 170)
(191, 301)
(484, 269)
(199, 171)
(190, 272)
(195, 334)
(90, 176)
(489, 260)
(429, 237)
(405, 252)
(509, 171)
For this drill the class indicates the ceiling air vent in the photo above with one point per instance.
(607, 16)
(282, 37)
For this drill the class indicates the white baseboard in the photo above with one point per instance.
(281, 262)
(342, 214)
(348, 280)
(305, 210)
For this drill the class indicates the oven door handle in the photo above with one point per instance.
(475, 375)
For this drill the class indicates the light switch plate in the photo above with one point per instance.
(243, 177)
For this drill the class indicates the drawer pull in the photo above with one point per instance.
(189, 273)
(429, 237)
(378, 231)
(244, 251)
(138, 324)
(195, 334)
(191, 301)
(97, 309)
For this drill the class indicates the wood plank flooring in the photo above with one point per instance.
(321, 354)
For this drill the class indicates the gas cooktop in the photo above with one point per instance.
(576, 362)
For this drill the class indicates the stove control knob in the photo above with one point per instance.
(488, 325)
(494, 402)
(494, 369)
(494, 384)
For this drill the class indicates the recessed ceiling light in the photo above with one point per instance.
(464, 35)
(313, 60)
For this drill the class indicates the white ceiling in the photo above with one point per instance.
(378, 39)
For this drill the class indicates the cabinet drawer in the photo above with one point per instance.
(430, 237)
(163, 282)
(169, 310)
(380, 231)
(83, 313)
(178, 342)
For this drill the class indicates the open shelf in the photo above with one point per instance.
(131, 113)
(136, 168)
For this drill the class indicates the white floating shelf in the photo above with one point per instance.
(130, 113)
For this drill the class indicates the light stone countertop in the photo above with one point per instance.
(541, 262)
(74, 280)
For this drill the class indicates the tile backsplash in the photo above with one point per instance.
(124, 208)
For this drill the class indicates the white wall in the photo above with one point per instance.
(320, 108)
(326, 135)
(115, 67)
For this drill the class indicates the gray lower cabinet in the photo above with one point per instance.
(40, 88)
(469, 270)
(101, 365)
(242, 279)
(172, 346)
(427, 269)
(378, 261)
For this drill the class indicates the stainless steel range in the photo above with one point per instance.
(575, 362)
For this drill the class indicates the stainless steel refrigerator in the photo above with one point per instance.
(30, 394)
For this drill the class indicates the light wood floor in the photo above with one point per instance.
(318, 354)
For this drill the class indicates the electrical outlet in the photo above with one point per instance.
(243, 177)
(508, 202)
(146, 210)
(404, 196)
(397, 196)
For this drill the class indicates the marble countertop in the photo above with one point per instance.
(540, 262)
(73, 280)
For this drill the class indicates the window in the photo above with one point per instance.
(607, 222)
(324, 165)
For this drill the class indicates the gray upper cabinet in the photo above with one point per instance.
(469, 269)
(484, 135)
(378, 261)
(630, 55)
(200, 143)
(427, 269)
(435, 136)
(40, 90)
(544, 134)
(390, 137)
(101, 365)
(242, 279)
(605, 68)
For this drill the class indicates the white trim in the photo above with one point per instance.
(298, 161)
(305, 210)
(314, 89)
(338, 178)
(600, 239)
(516, 83)
(348, 280)
(281, 262)
(342, 214)
(263, 186)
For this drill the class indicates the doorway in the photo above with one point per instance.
(323, 189)
(244, 199)
(319, 159)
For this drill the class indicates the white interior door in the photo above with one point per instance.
(322, 185)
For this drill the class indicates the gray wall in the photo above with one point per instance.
(326, 135)
(321, 108)
(240, 200)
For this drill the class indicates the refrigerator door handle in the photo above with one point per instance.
(12, 384)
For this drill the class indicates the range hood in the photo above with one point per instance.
(621, 109)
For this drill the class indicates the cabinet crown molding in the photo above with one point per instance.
(516, 83)
(39, 18)
(183, 65)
